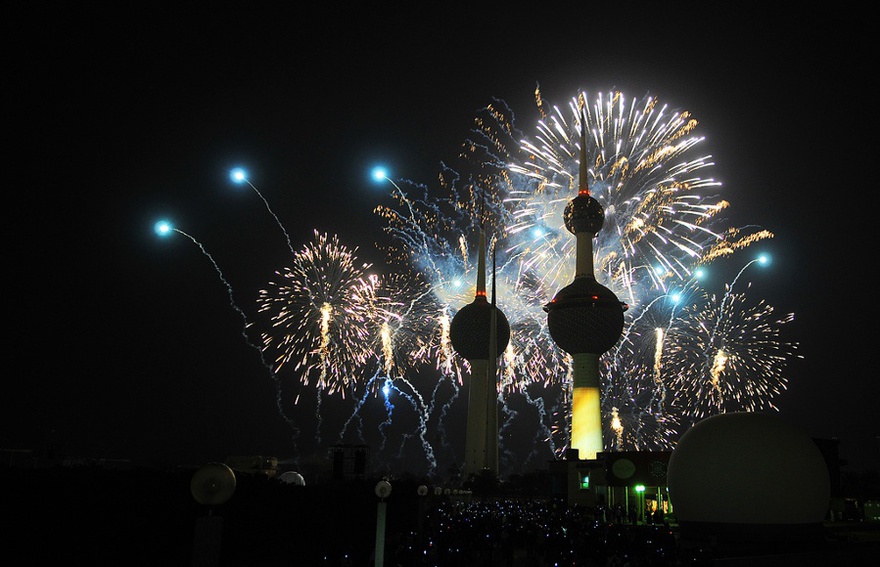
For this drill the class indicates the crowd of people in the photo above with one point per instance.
(531, 533)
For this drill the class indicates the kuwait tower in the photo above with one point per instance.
(585, 318)
(479, 332)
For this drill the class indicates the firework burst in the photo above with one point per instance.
(684, 353)
(322, 314)
(729, 359)
(664, 223)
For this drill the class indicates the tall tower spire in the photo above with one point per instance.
(478, 332)
(585, 318)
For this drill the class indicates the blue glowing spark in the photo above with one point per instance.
(379, 173)
(238, 175)
(163, 228)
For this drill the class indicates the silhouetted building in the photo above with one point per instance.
(349, 462)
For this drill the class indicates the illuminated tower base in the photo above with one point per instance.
(586, 412)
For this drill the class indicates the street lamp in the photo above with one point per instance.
(383, 489)
(640, 492)
(212, 485)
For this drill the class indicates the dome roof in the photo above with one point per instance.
(585, 317)
(748, 468)
(470, 327)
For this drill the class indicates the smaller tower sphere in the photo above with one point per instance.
(470, 327)
(583, 214)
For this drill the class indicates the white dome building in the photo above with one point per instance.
(748, 478)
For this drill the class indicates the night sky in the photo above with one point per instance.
(123, 345)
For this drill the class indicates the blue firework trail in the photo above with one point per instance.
(389, 410)
(412, 395)
(239, 175)
(164, 228)
(356, 417)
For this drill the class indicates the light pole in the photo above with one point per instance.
(211, 485)
(383, 489)
(640, 501)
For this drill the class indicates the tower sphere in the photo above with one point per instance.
(585, 317)
(470, 327)
(583, 214)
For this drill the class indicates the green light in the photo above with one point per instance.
(585, 483)
(640, 487)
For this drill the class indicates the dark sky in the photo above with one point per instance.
(125, 346)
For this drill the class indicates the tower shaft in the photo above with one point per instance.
(492, 386)
(479, 418)
(586, 410)
(583, 254)
(481, 443)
